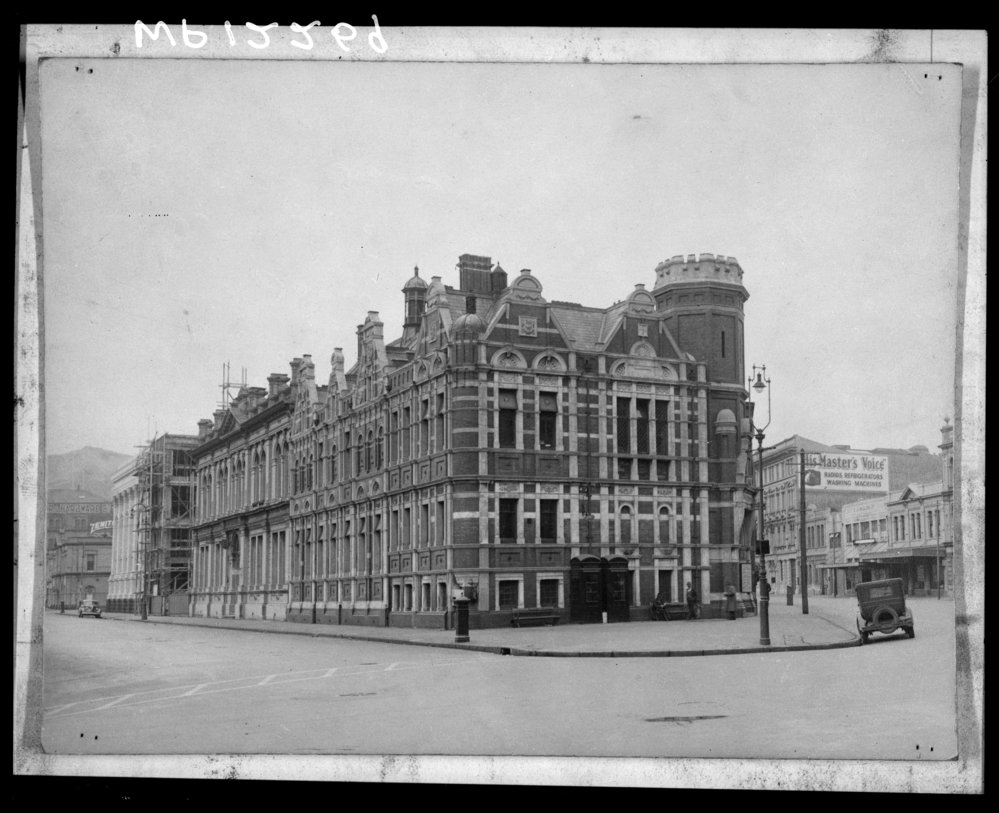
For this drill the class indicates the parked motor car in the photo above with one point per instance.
(882, 609)
(89, 607)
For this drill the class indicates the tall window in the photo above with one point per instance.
(626, 534)
(508, 520)
(394, 438)
(548, 593)
(549, 520)
(424, 427)
(642, 427)
(508, 419)
(406, 420)
(662, 428)
(547, 420)
(623, 425)
(439, 423)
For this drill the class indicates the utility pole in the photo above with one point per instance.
(801, 536)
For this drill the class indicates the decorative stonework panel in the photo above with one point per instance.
(507, 488)
(424, 561)
(551, 488)
(440, 561)
(507, 464)
(509, 378)
(528, 326)
(550, 558)
(393, 564)
(549, 466)
(548, 380)
(510, 558)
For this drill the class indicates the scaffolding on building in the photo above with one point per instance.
(164, 511)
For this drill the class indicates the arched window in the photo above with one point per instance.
(380, 448)
(626, 531)
(664, 534)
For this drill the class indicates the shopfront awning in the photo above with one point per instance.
(836, 564)
(921, 552)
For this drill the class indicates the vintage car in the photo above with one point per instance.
(89, 607)
(882, 609)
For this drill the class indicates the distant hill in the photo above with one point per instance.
(87, 469)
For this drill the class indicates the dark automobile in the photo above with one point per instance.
(882, 609)
(89, 607)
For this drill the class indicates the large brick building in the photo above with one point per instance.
(523, 452)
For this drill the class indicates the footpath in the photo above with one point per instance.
(790, 630)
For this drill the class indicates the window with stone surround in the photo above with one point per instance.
(548, 521)
(548, 593)
(508, 520)
(547, 420)
(507, 419)
(508, 591)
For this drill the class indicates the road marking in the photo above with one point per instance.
(237, 684)
(114, 702)
(192, 691)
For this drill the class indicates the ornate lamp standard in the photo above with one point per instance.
(762, 383)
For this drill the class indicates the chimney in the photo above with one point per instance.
(474, 273)
(218, 414)
(275, 381)
(204, 427)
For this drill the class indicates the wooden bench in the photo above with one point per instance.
(672, 611)
(534, 618)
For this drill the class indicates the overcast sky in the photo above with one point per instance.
(203, 211)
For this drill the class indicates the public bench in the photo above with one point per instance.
(534, 618)
(671, 611)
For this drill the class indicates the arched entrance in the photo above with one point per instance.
(598, 586)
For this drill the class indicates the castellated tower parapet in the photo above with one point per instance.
(702, 297)
(702, 268)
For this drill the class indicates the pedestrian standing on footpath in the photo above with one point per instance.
(730, 601)
(691, 602)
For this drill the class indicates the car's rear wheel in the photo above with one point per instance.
(886, 619)
(911, 632)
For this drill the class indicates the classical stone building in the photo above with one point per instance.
(239, 537)
(525, 453)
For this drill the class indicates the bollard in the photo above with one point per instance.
(62, 606)
(461, 620)
(790, 596)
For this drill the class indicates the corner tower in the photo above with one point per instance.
(702, 300)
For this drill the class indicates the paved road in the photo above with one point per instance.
(117, 687)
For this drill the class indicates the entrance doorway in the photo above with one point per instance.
(598, 586)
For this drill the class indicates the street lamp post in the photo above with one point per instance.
(802, 541)
(762, 383)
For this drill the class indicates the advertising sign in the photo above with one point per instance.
(846, 471)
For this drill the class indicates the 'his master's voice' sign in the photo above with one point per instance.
(846, 472)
